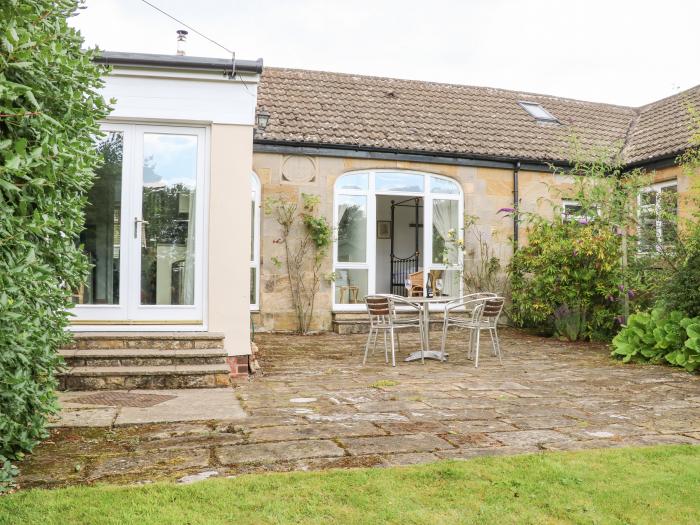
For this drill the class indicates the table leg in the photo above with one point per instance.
(427, 353)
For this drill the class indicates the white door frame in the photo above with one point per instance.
(371, 257)
(129, 314)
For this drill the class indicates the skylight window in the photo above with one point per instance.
(538, 112)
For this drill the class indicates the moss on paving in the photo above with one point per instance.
(628, 485)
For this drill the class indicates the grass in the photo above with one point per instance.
(627, 485)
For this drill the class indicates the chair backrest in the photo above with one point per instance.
(493, 308)
(378, 305)
(416, 279)
(397, 300)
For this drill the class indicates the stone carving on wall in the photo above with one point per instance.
(298, 169)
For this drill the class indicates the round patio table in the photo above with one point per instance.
(424, 304)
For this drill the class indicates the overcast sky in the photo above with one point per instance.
(628, 52)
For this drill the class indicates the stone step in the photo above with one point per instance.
(143, 357)
(146, 340)
(145, 377)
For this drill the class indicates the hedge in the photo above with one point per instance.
(49, 113)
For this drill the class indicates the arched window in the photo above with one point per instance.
(380, 217)
(255, 242)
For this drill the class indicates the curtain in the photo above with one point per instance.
(445, 218)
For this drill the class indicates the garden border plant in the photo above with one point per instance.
(49, 113)
(574, 278)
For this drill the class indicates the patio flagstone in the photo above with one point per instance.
(316, 407)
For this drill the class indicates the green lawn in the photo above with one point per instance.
(655, 485)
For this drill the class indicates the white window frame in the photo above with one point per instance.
(370, 261)
(653, 188)
(571, 202)
(256, 189)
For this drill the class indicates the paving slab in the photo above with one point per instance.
(188, 405)
(395, 444)
(279, 451)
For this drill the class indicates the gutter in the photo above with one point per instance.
(116, 58)
(373, 152)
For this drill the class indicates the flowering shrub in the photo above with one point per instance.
(568, 280)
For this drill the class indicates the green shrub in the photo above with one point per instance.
(568, 277)
(659, 336)
(50, 111)
(688, 356)
(681, 289)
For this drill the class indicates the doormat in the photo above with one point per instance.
(123, 399)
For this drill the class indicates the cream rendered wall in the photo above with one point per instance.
(229, 235)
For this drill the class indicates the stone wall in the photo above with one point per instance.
(486, 190)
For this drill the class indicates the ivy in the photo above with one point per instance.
(49, 111)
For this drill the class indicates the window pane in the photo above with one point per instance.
(445, 231)
(399, 182)
(647, 198)
(167, 239)
(438, 185)
(353, 181)
(101, 236)
(445, 282)
(668, 214)
(253, 285)
(252, 228)
(350, 286)
(647, 234)
(352, 228)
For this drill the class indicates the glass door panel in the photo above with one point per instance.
(445, 231)
(102, 295)
(168, 219)
(101, 236)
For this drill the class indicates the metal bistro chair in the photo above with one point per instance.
(482, 313)
(383, 317)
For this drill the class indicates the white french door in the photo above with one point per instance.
(355, 218)
(145, 228)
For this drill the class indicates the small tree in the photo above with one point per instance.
(306, 237)
(49, 113)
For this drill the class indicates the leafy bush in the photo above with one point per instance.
(49, 109)
(572, 269)
(659, 336)
(681, 288)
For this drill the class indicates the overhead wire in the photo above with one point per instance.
(233, 53)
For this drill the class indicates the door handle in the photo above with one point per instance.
(138, 221)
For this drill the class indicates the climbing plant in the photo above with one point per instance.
(49, 112)
(305, 238)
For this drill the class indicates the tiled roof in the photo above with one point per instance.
(662, 128)
(335, 109)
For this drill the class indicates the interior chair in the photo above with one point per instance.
(417, 285)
